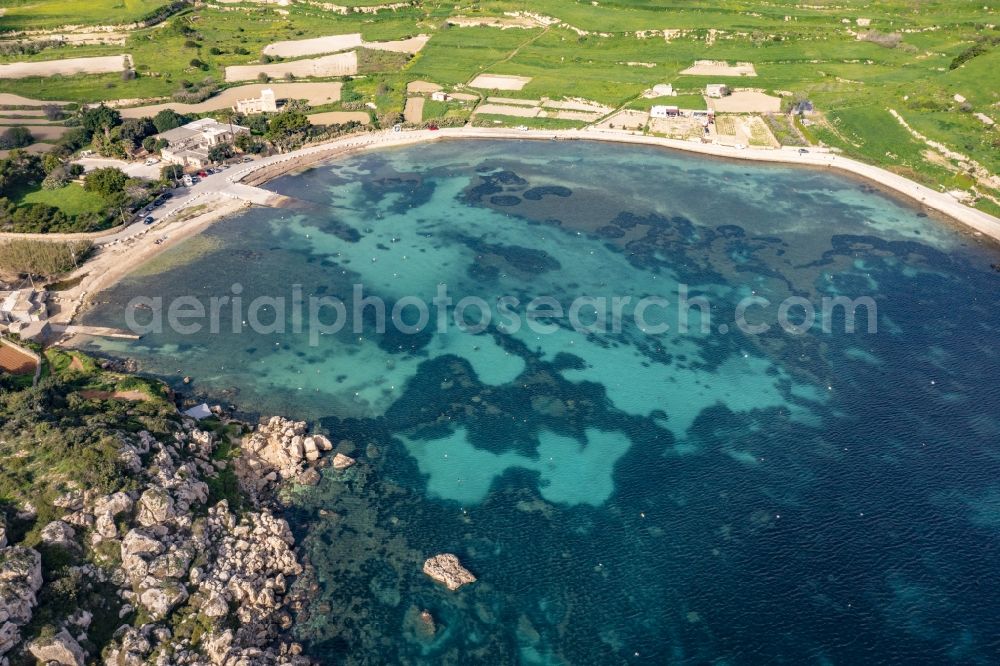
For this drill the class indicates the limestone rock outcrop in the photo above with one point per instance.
(280, 450)
(60, 649)
(20, 580)
(447, 570)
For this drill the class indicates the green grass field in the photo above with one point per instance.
(71, 199)
(40, 14)
(595, 53)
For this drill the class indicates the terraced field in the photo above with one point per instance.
(855, 60)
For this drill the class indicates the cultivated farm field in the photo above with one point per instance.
(854, 60)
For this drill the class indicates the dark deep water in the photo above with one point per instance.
(623, 497)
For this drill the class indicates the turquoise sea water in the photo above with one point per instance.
(623, 496)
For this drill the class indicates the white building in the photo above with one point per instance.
(266, 103)
(716, 90)
(439, 96)
(189, 144)
(660, 111)
(23, 306)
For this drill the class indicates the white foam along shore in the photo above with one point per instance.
(219, 195)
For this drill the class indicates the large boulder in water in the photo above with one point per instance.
(447, 570)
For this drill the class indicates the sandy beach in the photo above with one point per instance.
(216, 197)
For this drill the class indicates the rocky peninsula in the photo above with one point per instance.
(188, 562)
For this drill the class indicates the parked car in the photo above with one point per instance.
(802, 151)
(149, 220)
(151, 161)
(166, 195)
(247, 159)
(203, 174)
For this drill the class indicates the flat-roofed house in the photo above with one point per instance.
(266, 103)
(189, 144)
(23, 306)
(660, 111)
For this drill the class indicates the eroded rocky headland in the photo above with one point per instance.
(187, 562)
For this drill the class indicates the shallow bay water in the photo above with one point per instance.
(623, 496)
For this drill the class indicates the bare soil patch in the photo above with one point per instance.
(97, 394)
(65, 67)
(746, 101)
(414, 111)
(720, 68)
(340, 64)
(297, 48)
(500, 82)
(15, 362)
(339, 117)
(9, 99)
(421, 87)
(314, 93)
(508, 110)
(502, 22)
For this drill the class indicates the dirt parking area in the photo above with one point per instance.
(65, 67)
(720, 68)
(132, 169)
(340, 64)
(500, 82)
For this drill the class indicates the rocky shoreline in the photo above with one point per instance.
(201, 584)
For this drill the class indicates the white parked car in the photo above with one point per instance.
(151, 161)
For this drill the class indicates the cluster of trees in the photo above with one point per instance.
(42, 259)
(113, 137)
(21, 171)
(15, 137)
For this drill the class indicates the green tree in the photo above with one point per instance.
(100, 119)
(16, 137)
(50, 162)
(20, 169)
(107, 182)
(220, 152)
(133, 130)
(168, 119)
(171, 172)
